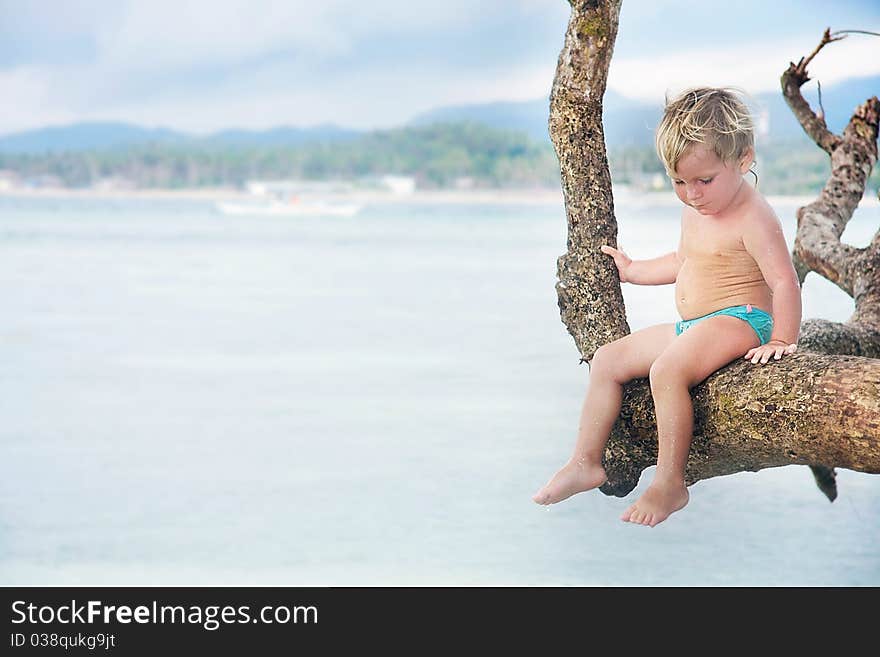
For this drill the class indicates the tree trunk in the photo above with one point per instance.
(816, 407)
(588, 289)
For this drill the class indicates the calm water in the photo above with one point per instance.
(189, 398)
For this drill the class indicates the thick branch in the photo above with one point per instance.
(824, 409)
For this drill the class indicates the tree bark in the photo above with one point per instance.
(590, 298)
(816, 407)
(820, 224)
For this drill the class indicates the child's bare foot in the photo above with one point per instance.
(657, 503)
(574, 477)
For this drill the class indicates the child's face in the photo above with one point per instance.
(705, 182)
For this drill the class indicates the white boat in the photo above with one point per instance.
(293, 207)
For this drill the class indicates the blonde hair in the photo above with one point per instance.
(714, 117)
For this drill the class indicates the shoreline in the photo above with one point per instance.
(521, 196)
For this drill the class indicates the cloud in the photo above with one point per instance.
(376, 98)
(756, 68)
(157, 35)
(151, 35)
(202, 65)
(207, 64)
(29, 100)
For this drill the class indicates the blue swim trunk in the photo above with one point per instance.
(759, 320)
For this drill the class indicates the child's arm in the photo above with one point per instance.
(656, 271)
(765, 242)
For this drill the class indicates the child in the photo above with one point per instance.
(735, 289)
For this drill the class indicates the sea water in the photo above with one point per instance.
(192, 398)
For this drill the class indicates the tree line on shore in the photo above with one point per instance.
(437, 156)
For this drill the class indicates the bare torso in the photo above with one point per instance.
(717, 272)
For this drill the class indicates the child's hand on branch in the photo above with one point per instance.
(775, 348)
(622, 260)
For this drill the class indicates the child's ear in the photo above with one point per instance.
(746, 161)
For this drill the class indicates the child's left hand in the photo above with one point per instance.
(775, 348)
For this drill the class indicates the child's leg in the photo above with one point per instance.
(613, 365)
(691, 358)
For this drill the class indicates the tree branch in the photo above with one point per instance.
(821, 223)
(825, 409)
(792, 81)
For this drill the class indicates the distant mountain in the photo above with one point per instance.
(528, 116)
(627, 121)
(281, 136)
(115, 135)
(630, 122)
(84, 136)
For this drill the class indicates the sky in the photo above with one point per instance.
(206, 65)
